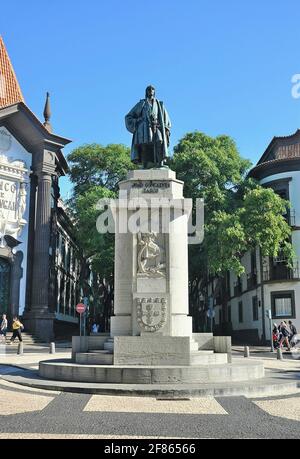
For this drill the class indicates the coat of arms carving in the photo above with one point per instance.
(151, 313)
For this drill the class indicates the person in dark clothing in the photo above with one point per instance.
(293, 333)
(17, 327)
(276, 340)
(292, 328)
(285, 336)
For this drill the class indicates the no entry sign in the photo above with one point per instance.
(80, 308)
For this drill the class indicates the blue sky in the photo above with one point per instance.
(222, 67)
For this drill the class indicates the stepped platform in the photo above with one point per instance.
(64, 370)
(165, 361)
(28, 339)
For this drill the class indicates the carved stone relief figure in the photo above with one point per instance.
(150, 256)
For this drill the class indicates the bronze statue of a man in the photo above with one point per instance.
(150, 125)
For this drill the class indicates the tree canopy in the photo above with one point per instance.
(95, 171)
(240, 215)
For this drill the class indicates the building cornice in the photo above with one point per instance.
(275, 167)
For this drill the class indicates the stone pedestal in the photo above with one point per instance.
(151, 341)
(151, 264)
(40, 324)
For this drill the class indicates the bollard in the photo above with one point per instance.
(20, 349)
(279, 354)
(52, 348)
(246, 352)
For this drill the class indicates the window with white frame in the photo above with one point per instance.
(283, 304)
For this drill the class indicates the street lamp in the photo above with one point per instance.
(269, 316)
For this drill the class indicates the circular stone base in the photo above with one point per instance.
(66, 370)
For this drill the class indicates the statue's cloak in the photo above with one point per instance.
(138, 123)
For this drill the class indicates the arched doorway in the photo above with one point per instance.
(4, 286)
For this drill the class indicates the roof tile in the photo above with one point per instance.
(10, 92)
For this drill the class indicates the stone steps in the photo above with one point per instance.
(27, 339)
(95, 358)
(240, 370)
(208, 352)
(109, 345)
(105, 357)
(204, 358)
(194, 346)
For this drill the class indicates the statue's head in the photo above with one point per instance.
(150, 92)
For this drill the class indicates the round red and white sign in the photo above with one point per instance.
(80, 308)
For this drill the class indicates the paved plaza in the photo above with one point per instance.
(40, 414)
(34, 413)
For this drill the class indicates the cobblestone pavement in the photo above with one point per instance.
(33, 413)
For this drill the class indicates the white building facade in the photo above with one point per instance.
(40, 261)
(268, 284)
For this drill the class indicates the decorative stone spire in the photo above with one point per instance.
(47, 113)
(10, 92)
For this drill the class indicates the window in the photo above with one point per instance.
(253, 262)
(241, 318)
(63, 252)
(283, 304)
(255, 308)
(68, 259)
(62, 296)
(67, 303)
(229, 313)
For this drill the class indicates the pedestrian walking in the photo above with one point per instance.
(293, 334)
(17, 328)
(285, 335)
(276, 339)
(94, 328)
(3, 328)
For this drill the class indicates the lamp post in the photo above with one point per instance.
(269, 316)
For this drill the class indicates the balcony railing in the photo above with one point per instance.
(251, 281)
(238, 288)
(292, 217)
(281, 272)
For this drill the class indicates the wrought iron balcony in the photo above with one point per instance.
(238, 288)
(292, 217)
(281, 272)
(251, 281)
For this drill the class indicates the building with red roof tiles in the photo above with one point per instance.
(39, 259)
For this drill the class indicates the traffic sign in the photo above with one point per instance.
(81, 308)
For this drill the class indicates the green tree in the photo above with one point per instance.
(240, 215)
(96, 165)
(95, 171)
